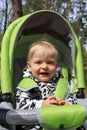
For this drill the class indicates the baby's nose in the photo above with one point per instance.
(44, 65)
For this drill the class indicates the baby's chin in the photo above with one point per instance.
(44, 80)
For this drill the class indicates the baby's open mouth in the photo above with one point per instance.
(44, 73)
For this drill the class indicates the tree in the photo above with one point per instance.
(31, 6)
(5, 14)
(17, 9)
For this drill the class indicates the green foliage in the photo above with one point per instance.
(31, 6)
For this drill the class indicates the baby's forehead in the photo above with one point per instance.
(45, 53)
(45, 50)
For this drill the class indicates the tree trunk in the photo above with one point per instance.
(5, 22)
(17, 9)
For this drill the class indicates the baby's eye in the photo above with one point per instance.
(50, 62)
(38, 62)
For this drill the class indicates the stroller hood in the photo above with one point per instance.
(39, 25)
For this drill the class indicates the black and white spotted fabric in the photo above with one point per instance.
(24, 98)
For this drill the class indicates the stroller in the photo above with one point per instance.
(19, 35)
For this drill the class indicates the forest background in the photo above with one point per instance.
(75, 11)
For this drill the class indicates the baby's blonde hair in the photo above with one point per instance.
(42, 45)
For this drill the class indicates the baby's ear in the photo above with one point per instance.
(28, 65)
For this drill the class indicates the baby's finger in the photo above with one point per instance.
(53, 101)
(62, 102)
(51, 97)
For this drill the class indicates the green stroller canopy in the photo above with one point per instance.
(27, 29)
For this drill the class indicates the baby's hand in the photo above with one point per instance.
(50, 101)
(62, 102)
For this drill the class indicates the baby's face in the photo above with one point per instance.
(43, 66)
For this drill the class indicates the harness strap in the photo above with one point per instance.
(61, 91)
(62, 88)
(27, 83)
